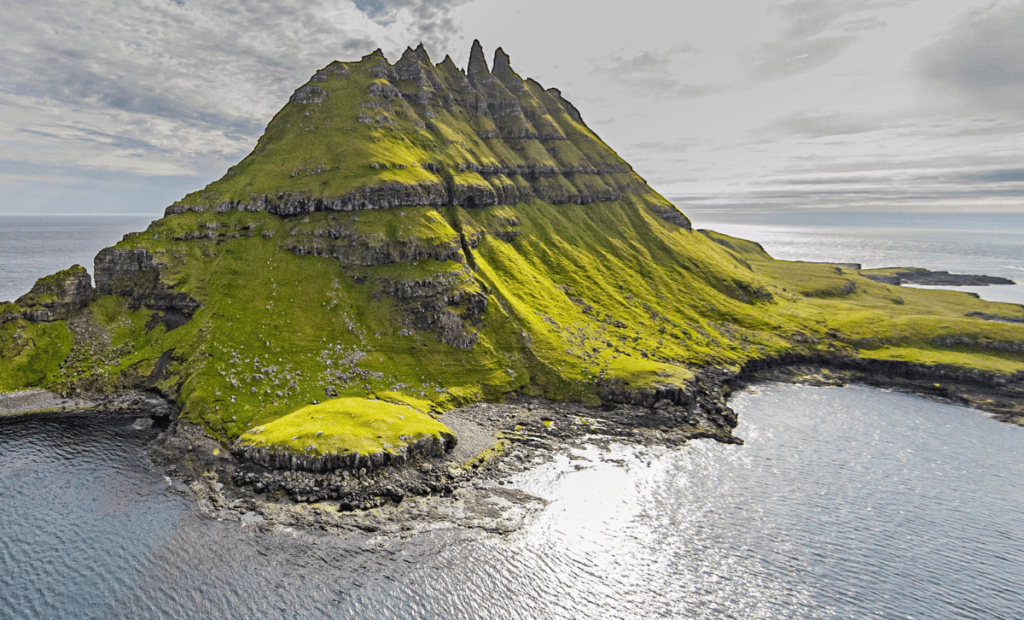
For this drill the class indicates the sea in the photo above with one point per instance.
(844, 502)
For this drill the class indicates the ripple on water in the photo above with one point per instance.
(80, 509)
(845, 502)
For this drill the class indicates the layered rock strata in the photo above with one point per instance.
(55, 297)
(437, 135)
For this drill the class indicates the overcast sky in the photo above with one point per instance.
(116, 106)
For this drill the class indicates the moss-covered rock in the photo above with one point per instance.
(54, 297)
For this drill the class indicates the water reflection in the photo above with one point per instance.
(844, 503)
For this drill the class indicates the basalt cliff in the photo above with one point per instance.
(407, 238)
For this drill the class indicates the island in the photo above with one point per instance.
(422, 274)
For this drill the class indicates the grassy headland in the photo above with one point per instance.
(408, 238)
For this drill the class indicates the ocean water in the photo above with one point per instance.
(979, 243)
(844, 503)
(35, 246)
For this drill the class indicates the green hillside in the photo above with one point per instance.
(408, 238)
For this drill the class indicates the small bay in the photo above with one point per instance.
(844, 502)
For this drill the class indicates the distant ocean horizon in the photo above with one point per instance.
(33, 246)
(979, 243)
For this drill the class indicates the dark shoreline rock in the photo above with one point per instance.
(439, 487)
(999, 394)
(935, 278)
(665, 417)
(995, 317)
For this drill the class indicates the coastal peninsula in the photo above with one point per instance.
(416, 257)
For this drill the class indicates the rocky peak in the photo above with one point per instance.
(515, 142)
(569, 108)
(502, 69)
(421, 53)
(477, 70)
(377, 53)
(448, 64)
(502, 65)
(410, 67)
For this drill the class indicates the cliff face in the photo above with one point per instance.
(133, 274)
(372, 135)
(409, 237)
(55, 297)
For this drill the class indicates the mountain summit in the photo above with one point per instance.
(372, 135)
(408, 238)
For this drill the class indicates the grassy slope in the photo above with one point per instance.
(585, 297)
(572, 305)
(329, 148)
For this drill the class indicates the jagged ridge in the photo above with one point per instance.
(372, 135)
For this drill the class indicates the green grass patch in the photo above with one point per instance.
(346, 425)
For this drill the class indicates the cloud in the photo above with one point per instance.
(818, 125)
(427, 21)
(813, 33)
(891, 185)
(183, 82)
(981, 58)
(650, 74)
(1005, 175)
(677, 145)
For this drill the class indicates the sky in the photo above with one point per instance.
(116, 106)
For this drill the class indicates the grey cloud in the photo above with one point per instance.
(667, 146)
(85, 135)
(649, 74)
(190, 77)
(815, 33)
(818, 125)
(831, 180)
(1007, 175)
(981, 58)
(785, 58)
(906, 185)
(433, 22)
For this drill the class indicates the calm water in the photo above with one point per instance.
(844, 503)
(33, 247)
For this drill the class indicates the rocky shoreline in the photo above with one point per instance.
(465, 486)
(926, 277)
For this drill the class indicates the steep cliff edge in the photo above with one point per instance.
(406, 238)
(372, 135)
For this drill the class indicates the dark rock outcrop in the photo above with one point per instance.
(1006, 346)
(935, 278)
(58, 296)
(309, 94)
(672, 215)
(995, 317)
(282, 459)
(135, 275)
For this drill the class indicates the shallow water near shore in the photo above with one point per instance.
(844, 502)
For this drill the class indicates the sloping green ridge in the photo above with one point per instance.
(584, 298)
(336, 330)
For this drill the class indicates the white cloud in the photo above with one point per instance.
(789, 104)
